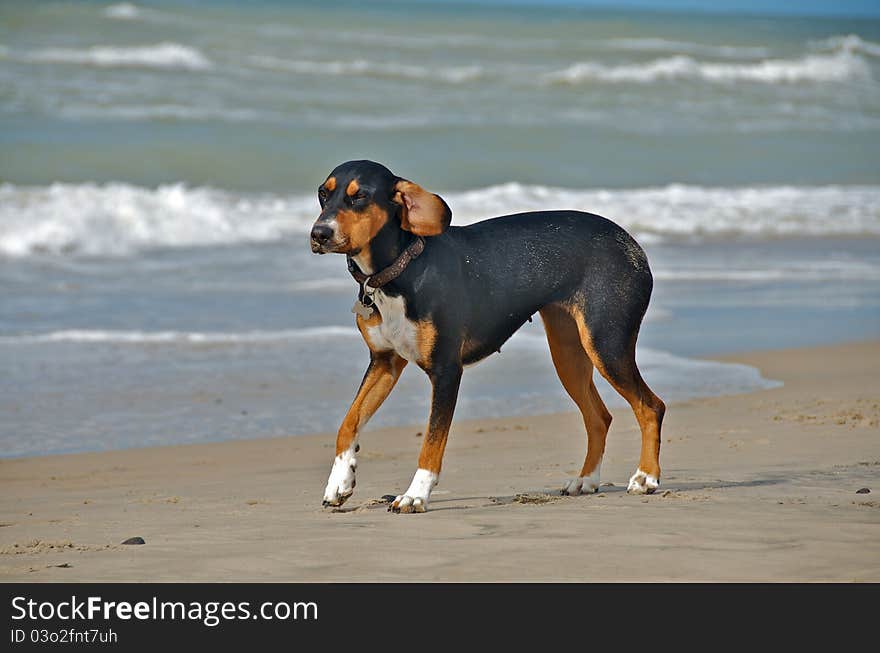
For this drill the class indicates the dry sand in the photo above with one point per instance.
(757, 487)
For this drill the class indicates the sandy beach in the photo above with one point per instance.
(175, 358)
(756, 487)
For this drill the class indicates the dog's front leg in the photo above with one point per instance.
(381, 375)
(445, 381)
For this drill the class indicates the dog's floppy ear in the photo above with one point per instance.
(421, 212)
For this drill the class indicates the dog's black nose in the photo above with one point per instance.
(321, 233)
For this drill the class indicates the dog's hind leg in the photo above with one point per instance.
(611, 347)
(575, 370)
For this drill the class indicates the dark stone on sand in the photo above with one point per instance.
(388, 498)
(864, 490)
(134, 540)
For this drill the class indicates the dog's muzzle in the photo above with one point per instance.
(322, 238)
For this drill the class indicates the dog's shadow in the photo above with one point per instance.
(543, 496)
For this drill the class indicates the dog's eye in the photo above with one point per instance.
(322, 195)
(359, 197)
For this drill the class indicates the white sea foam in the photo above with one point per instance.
(665, 45)
(839, 66)
(178, 337)
(452, 74)
(842, 270)
(850, 43)
(410, 39)
(122, 11)
(682, 377)
(686, 211)
(160, 55)
(119, 219)
(131, 12)
(74, 111)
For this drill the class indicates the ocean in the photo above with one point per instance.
(159, 161)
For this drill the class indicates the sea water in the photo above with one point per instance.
(158, 167)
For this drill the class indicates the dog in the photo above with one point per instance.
(445, 297)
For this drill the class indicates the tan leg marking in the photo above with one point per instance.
(576, 373)
(365, 323)
(381, 376)
(648, 407)
(426, 337)
(444, 394)
(444, 391)
(431, 455)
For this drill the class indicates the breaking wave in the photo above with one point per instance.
(849, 43)
(648, 44)
(843, 65)
(97, 336)
(120, 219)
(453, 74)
(160, 55)
(122, 11)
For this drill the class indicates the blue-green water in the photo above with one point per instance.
(158, 164)
(259, 96)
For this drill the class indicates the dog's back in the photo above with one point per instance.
(506, 269)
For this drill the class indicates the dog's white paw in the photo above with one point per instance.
(583, 484)
(341, 483)
(642, 483)
(415, 499)
(405, 503)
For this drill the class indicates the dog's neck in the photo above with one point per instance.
(383, 249)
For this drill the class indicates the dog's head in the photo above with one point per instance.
(359, 199)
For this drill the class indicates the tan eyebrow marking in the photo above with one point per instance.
(352, 188)
(330, 184)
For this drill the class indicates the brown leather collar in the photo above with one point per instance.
(393, 271)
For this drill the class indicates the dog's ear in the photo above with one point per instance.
(421, 212)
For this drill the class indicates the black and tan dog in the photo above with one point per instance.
(444, 297)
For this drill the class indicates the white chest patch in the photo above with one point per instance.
(395, 332)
